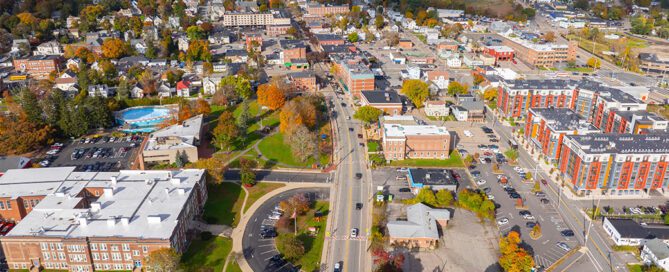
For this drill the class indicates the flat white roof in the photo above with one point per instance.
(140, 204)
(397, 130)
(187, 132)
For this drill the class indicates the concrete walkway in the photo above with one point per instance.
(238, 232)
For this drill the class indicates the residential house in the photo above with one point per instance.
(656, 252)
(210, 85)
(302, 82)
(420, 229)
(101, 90)
(184, 88)
(436, 108)
(49, 48)
(454, 61)
(66, 82)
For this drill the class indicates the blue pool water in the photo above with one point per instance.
(142, 119)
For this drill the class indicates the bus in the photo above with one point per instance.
(513, 144)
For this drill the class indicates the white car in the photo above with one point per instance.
(480, 181)
(517, 169)
(354, 232)
(528, 217)
(502, 221)
(490, 196)
(468, 133)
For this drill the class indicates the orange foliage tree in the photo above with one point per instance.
(114, 48)
(271, 96)
(298, 111)
(513, 257)
(202, 107)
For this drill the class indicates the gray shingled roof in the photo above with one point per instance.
(421, 222)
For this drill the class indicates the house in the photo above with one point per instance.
(436, 108)
(99, 90)
(656, 252)
(66, 81)
(454, 61)
(236, 55)
(137, 91)
(139, 45)
(13, 162)
(420, 229)
(49, 48)
(210, 85)
(627, 232)
(72, 64)
(469, 111)
(165, 91)
(438, 78)
(19, 44)
(387, 101)
(184, 88)
(178, 140)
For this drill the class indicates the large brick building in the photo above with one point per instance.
(317, 9)
(620, 164)
(302, 82)
(545, 128)
(292, 50)
(87, 221)
(546, 54)
(356, 77)
(38, 67)
(415, 142)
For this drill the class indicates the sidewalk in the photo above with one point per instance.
(238, 232)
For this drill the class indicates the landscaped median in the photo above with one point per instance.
(304, 248)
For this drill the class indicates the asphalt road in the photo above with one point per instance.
(283, 176)
(350, 252)
(258, 251)
(596, 243)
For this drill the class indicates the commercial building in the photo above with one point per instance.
(356, 78)
(302, 82)
(499, 52)
(635, 122)
(231, 19)
(615, 164)
(13, 162)
(546, 128)
(656, 252)
(387, 101)
(317, 9)
(546, 54)
(653, 64)
(328, 39)
(469, 111)
(435, 179)
(415, 142)
(38, 67)
(87, 221)
(627, 232)
(515, 97)
(292, 50)
(420, 229)
(178, 140)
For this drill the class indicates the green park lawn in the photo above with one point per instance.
(372, 146)
(224, 204)
(277, 151)
(313, 244)
(206, 254)
(453, 161)
(259, 190)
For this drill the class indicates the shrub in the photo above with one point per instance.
(206, 236)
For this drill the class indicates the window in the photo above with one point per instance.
(2, 205)
(128, 257)
(145, 249)
(126, 247)
(46, 256)
(116, 256)
(94, 246)
(54, 255)
(61, 256)
(114, 247)
(103, 246)
(104, 256)
(51, 246)
(96, 256)
(135, 253)
(44, 246)
(59, 246)
(26, 203)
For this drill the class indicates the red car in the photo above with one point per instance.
(543, 181)
(6, 229)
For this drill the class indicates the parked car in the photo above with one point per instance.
(405, 190)
(502, 221)
(567, 233)
(530, 224)
(563, 246)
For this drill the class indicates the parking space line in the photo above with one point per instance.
(263, 253)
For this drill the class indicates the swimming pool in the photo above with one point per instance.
(143, 119)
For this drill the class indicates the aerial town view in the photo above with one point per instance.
(334, 135)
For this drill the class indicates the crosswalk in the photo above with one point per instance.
(346, 238)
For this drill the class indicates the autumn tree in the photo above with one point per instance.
(148, 82)
(114, 48)
(298, 111)
(444, 198)
(478, 79)
(163, 260)
(513, 256)
(86, 55)
(416, 90)
(246, 173)
(202, 107)
(455, 88)
(594, 62)
(291, 247)
(298, 203)
(549, 36)
(367, 114)
(490, 94)
(226, 131)
(353, 37)
(302, 142)
(269, 95)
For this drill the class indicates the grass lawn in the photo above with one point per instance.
(580, 69)
(421, 37)
(313, 244)
(233, 266)
(260, 190)
(453, 161)
(210, 254)
(275, 149)
(224, 204)
(372, 146)
(634, 267)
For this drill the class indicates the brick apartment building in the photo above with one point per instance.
(541, 54)
(254, 38)
(635, 122)
(329, 39)
(292, 50)
(545, 128)
(88, 221)
(499, 52)
(302, 82)
(38, 67)
(387, 101)
(415, 142)
(621, 164)
(355, 78)
(316, 9)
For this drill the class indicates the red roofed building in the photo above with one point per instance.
(183, 88)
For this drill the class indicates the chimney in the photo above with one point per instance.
(111, 221)
(83, 221)
(387, 97)
(125, 221)
(113, 180)
(167, 191)
(181, 191)
(175, 181)
(153, 219)
(108, 192)
(95, 207)
(148, 181)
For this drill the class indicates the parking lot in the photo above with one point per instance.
(103, 153)
(400, 188)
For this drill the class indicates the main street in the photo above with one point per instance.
(350, 252)
(597, 247)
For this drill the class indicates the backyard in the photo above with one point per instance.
(453, 161)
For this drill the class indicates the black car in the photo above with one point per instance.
(343, 104)
(494, 141)
(530, 224)
(358, 175)
(514, 195)
(358, 206)
(544, 201)
(476, 174)
(567, 233)
(350, 129)
(405, 190)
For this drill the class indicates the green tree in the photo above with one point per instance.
(455, 87)
(511, 154)
(29, 104)
(594, 62)
(444, 198)
(225, 132)
(368, 114)
(353, 37)
(468, 160)
(246, 173)
(378, 21)
(179, 161)
(416, 90)
(195, 33)
(291, 247)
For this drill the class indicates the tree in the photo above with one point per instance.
(299, 111)
(195, 33)
(299, 204)
(302, 142)
(444, 198)
(270, 96)
(455, 87)
(549, 36)
(291, 247)
(353, 37)
(528, 176)
(379, 22)
(513, 257)
(468, 160)
(368, 114)
(416, 90)
(114, 48)
(511, 154)
(478, 79)
(244, 117)
(163, 260)
(490, 94)
(594, 62)
(292, 31)
(246, 173)
(225, 132)
(202, 107)
(179, 161)
(392, 38)
(240, 85)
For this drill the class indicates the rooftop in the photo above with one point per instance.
(138, 204)
(629, 228)
(659, 248)
(563, 119)
(601, 143)
(187, 133)
(382, 97)
(424, 176)
(421, 222)
(397, 130)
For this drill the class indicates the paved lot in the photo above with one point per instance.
(466, 245)
(258, 251)
(468, 143)
(114, 155)
(387, 178)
